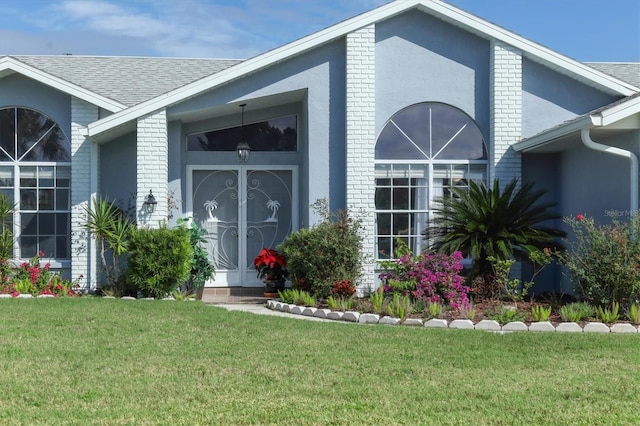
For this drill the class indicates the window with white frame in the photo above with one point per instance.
(35, 174)
(422, 152)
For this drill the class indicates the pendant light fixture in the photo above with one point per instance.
(243, 149)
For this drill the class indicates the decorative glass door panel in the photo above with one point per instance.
(268, 215)
(215, 208)
(242, 211)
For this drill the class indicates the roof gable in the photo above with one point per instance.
(10, 65)
(436, 8)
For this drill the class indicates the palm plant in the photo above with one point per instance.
(6, 234)
(110, 229)
(487, 222)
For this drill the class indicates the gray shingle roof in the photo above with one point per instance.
(625, 71)
(132, 80)
(128, 80)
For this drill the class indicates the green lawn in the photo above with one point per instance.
(93, 361)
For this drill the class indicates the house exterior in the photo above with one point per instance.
(382, 113)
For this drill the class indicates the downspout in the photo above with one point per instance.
(586, 140)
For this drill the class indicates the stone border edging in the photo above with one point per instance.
(487, 325)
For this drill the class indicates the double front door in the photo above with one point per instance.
(242, 209)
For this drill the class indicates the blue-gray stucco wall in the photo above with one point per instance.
(118, 170)
(19, 91)
(549, 98)
(542, 170)
(320, 75)
(422, 59)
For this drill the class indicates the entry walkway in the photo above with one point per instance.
(261, 309)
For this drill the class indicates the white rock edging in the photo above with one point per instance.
(463, 324)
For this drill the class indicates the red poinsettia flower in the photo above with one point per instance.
(271, 264)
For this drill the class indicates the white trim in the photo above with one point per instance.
(434, 7)
(603, 118)
(617, 112)
(11, 64)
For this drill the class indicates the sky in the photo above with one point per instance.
(586, 30)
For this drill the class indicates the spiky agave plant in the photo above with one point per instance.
(484, 222)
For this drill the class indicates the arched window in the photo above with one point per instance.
(35, 174)
(422, 152)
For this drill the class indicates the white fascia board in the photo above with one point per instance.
(539, 52)
(547, 137)
(617, 112)
(432, 7)
(607, 117)
(251, 65)
(11, 64)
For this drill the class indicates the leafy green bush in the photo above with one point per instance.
(399, 306)
(607, 315)
(435, 310)
(603, 260)
(160, 259)
(634, 313)
(325, 254)
(540, 313)
(506, 315)
(577, 311)
(377, 300)
(201, 268)
(339, 303)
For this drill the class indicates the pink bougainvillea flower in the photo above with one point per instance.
(580, 217)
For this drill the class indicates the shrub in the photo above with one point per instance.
(35, 279)
(399, 306)
(506, 315)
(577, 311)
(343, 288)
(634, 313)
(287, 295)
(515, 289)
(377, 300)
(327, 253)
(201, 268)
(607, 315)
(339, 303)
(160, 259)
(435, 310)
(492, 221)
(540, 313)
(432, 277)
(603, 260)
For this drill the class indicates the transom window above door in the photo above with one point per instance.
(422, 153)
(278, 134)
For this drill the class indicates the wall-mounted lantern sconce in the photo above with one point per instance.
(243, 149)
(150, 203)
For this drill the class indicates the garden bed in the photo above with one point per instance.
(479, 323)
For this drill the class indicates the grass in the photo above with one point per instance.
(94, 361)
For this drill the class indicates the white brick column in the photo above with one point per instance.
(506, 112)
(506, 118)
(360, 139)
(84, 166)
(152, 171)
